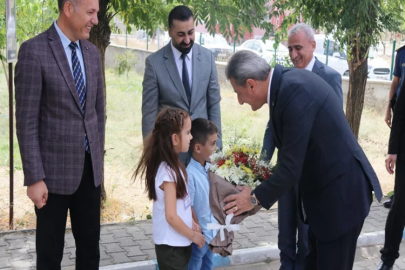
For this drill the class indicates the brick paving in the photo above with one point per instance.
(367, 258)
(131, 242)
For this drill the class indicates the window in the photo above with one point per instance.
(249, 45)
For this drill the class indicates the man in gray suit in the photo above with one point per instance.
(301, 45)
(181, 75)
(60, 129)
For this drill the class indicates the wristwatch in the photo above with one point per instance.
(253, 200)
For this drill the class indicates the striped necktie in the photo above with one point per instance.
(80, 86)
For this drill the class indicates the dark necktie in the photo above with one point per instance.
(186, 81)
(80, 86)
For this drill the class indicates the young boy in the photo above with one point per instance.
(203, 144)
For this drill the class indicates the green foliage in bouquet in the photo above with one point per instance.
(241, 165)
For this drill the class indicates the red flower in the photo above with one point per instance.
(220, 162)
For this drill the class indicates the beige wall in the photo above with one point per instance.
(376, 90)
(376, 93)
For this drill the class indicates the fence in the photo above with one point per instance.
(375, 96)
(381, 58)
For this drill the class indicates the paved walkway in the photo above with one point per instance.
(132, 242)
(367, 258)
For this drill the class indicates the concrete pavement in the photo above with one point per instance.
(130, 245)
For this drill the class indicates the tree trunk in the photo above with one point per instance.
(100, 36)
(355, 96)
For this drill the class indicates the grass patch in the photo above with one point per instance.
(126, 198)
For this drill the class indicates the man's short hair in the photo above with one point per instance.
(245, 65)
(180, 13)
(200, 130)
(309, 32)
(61, 3)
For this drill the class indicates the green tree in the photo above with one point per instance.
(125, 62)
(150, 14)
(33, 17)
(356, 25)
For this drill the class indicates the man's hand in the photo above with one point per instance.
(238, 203)
(388, 116)
(390, 162)
(38, 193)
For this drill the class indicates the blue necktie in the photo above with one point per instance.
(80, 86)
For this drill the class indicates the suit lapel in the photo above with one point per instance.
(317, 67)
(61, 59)
(173, 72)
(196, 63)
(274, 88)
(89, 80)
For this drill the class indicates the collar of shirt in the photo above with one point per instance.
(198, 165)
(268, 92)
(177, 54)
(311, 64)
(68, 51)
(65, 40)
(179, 64)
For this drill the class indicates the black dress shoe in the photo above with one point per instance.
(383, 266)
(388, 203)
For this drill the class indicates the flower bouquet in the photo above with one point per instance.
(241, 166)
(237, 166)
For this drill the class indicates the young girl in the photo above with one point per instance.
(166, 184)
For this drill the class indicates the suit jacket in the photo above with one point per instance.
(317, 150)
(332, 77)
(50, 126)
(162, 87)
(397, 137)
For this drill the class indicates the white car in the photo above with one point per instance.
(337, 63)
(265, 50)
(217, 44)
(378, 68)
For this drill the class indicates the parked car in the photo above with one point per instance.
(337, 63)
(378, 68)
(217, 44)
(265, 50)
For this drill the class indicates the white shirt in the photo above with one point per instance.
(65, 43)
(163, 233)
(268, 93)
(311, 64)
(179, 63)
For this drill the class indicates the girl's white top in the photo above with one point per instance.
(163, 233)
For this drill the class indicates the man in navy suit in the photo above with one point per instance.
(317, 150)
(301, 45)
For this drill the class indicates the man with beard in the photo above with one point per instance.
(181, 75)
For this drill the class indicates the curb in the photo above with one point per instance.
(249, 255)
